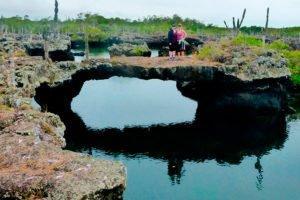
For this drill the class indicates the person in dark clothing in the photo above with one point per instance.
(172, 42)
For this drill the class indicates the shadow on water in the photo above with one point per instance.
(227, 140)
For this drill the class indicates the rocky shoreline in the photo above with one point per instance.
(33, 164)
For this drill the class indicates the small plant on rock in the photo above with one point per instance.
(211, 52)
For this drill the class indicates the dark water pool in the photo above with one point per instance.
(256, 161)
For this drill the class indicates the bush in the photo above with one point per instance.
(279, 45)
(247, 40)
(293, 58)
(95, 34)
(211, 52)
(296, 79)
(139, 50)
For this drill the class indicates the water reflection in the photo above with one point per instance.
(260, 176)
(101, 52)
(182, 142)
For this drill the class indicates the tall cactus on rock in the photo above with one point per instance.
(237, 24)
(267, 21)
(265, 31)
(56, 11)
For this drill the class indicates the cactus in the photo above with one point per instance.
(226, 24)
(265, 30)
(267, 20)
(56, 11)
(237, 24)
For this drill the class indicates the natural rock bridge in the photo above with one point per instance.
(218, 87)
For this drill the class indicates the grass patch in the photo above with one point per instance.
(19, 53)
(247, 40)
(243, 47)
(4, 107)
(278, 45)
(47, 128)
(293, 59)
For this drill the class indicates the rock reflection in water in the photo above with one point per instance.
(228, 142)
(227, 138)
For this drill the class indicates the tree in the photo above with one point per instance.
(26, 17)
(56, 11)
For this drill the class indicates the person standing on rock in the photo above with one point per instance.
(180, 37)
(172, 42)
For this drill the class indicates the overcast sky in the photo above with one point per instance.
(283, 12)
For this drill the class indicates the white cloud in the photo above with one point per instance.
(283, 12)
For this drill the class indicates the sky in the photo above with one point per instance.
(283, 13)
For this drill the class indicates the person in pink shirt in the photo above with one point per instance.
(180, 37)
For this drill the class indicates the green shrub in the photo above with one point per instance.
(76, 37)
(139, 50)
(95, 34)
(279, 45)
(293, 58)
(211, 52)
(296, 79)
(247, 40)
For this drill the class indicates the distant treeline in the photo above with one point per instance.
(99, 27)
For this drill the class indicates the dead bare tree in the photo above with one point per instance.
(45, 36)
(11, 52)
(237, 24)
(46, 50)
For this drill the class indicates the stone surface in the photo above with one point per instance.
(59, 48)
(33, 164)
(33, 169)
(126, 49)
(59, 45)
(294, 43)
